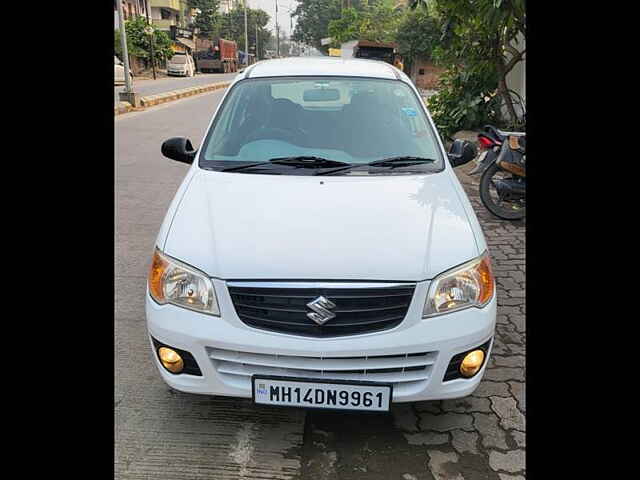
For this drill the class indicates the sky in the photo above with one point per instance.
(269, 6)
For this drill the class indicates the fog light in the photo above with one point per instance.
(170, 359)
(472, 363)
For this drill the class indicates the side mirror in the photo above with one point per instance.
(461, 152)
(179, 149)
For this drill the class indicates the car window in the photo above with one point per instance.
(353, 120)
(179, 59)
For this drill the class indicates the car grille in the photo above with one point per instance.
(359, 308)
(407, 371)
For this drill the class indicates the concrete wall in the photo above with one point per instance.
(430, 77)
(346, 49)
(516, 79)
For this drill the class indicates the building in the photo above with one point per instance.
(130, 9)
(167, 13)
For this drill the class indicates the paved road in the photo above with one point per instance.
(163, 434)
(167, 84)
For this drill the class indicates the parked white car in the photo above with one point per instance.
(369, 285)
(181, 65)
(119, 70)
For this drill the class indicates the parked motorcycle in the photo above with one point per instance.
(502, 164)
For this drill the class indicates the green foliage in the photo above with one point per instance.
(417, 35)
(461, 103)
(477, 47)
(207, 20)
(376, 21)
(313, 17)
(231, 27)
(345, 28)
(139, 42)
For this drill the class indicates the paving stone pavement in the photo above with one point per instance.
(489, 426)
(478, 437)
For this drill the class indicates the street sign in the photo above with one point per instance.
(326, 41)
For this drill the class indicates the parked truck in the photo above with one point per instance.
(219, 55)
(385, 52)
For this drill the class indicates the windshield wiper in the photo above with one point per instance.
(300, 161)
(393, 162)
(308, 161)
(240, 167)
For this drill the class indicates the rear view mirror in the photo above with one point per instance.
(461, 152)
(179, 149)
(321, 95)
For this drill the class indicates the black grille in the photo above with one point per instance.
(357, 310)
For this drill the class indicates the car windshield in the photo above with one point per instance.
(180, 59)
(343, 119)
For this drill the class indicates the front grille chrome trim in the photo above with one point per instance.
(307, 284)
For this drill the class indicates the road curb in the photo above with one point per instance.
(122, 107)
(151, 100)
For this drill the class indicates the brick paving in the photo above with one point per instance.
(463, 437)
(478, 437)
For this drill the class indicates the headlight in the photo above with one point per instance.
(469, 285)
(171, 281)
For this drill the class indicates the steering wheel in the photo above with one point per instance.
(276, 133)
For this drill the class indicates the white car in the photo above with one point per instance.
(119, 70)
(320, 251)
(181, 65)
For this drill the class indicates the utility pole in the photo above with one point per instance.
(277, 33)
(128, 95)
(257, 54)
(125, 52)
(151, 39)
(246, 36)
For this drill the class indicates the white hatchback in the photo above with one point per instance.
(369, 285)
(181, 65)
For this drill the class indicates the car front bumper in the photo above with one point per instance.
(228, 351)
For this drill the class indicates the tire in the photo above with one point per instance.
(505, 211)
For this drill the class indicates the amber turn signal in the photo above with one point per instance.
(486, 280)
(158, 267)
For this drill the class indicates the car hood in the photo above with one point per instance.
(248, 226)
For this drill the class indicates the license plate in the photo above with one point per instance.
(322, 393)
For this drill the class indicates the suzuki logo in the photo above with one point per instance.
(321, 312)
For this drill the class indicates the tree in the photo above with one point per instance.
(417, 36)
(139, 43)
(480, 37)
(231, 27)
(376, 21)
(207, 18)
(313, 17)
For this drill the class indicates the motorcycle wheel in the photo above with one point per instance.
(507, 210)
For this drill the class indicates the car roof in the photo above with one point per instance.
(321, 66)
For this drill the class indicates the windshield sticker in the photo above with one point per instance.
(409, 112)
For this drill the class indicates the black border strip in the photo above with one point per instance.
(322, 381)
